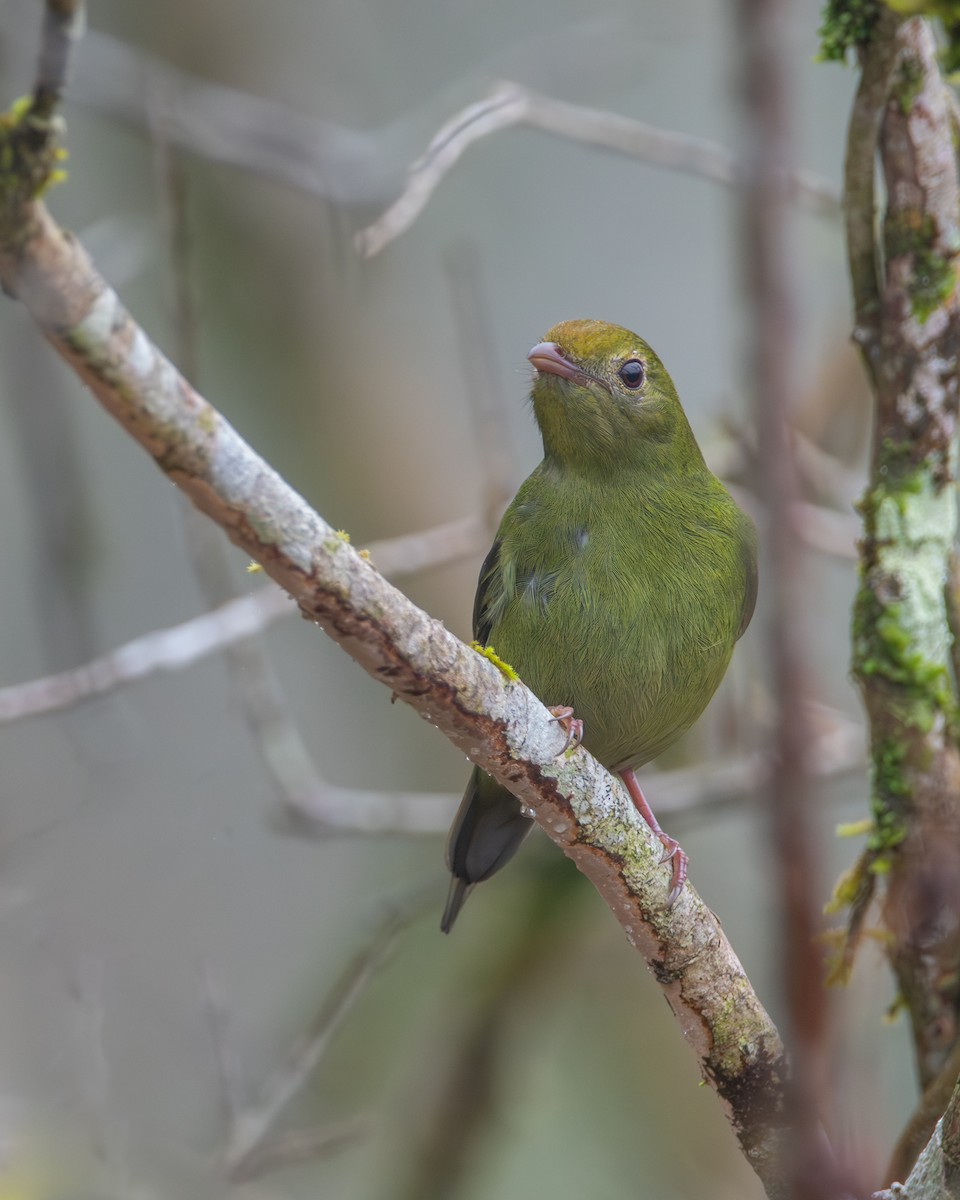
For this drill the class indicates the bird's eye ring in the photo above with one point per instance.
(632, 374)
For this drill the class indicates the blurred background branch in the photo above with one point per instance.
(509, 105)
(772, 300)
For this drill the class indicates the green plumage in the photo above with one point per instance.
(621, 576)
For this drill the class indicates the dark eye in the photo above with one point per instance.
(632, 373)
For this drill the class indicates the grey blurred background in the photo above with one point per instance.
(159, 917)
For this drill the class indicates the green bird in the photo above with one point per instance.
(620, 579)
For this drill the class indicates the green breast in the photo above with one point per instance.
(623, 602)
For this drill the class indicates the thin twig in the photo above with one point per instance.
(303, 1145)
(510, 104)
(229, 1075)
(181, 646)
(253, 1127)
(64, 22)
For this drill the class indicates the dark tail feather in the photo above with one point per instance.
(486, 833)
(456, 897)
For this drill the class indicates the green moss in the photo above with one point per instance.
(846, 25)
(898, 636)
(948, 13)
(934, 276)
(906, 231)
(900, 480)
(907, 85)
(933, 283)
(884, 646)
(896, 632)
(950, 55)
(895, 464)
(891, 790)
(844, 892)
(30, 156)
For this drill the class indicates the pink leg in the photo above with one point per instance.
(670, 845)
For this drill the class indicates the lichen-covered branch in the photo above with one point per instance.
(499, 724)
(936, 1175)
(908, 327)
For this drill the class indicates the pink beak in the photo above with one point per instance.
(548, 358)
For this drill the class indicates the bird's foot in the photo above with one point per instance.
(571, 725)
(672, 849)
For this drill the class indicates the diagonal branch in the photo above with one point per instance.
(498, 723)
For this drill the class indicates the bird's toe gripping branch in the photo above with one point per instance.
(571, 725)
(672, 848)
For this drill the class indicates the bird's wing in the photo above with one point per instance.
(749, 553)
(489, 586)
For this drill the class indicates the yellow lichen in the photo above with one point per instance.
(491, 655)
(855, 828)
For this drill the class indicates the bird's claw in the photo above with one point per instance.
(672, 850)
(571, 725)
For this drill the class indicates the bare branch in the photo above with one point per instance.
(228, 1066)
(64, 22)
(183, 645)
(294, 1146)
(230, 126)
(500, 725)
(163, 650)
(510, 104)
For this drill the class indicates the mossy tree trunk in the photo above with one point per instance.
(904, 276)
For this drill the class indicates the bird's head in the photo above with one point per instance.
(602, 398)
